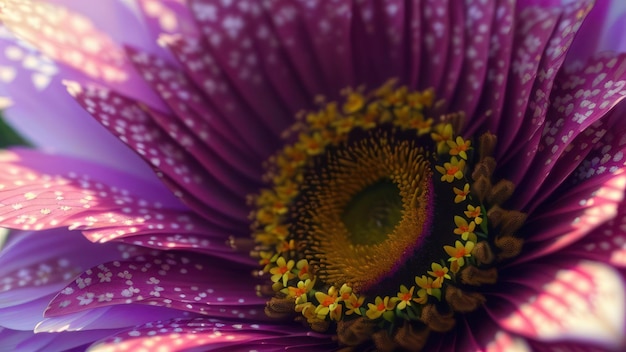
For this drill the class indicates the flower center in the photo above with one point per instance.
(380, 219)
(373, 213)
(360, 215)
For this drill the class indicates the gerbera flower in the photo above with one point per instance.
(414, 174)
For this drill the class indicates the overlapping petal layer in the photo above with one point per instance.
(206, 114)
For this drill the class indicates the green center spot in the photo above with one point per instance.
(373, 213)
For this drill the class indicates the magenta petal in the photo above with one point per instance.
(213, 335)
(377, 26)
(572, 216)
(492, 101)
(593, 153)
(566, 300)
(568, 119)
(197, 62)
(211, 141)
(134, 125)
(478, 27)
(242, 65)
(187, 282)
(552, 59)
(439, 21)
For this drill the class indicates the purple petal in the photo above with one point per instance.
(578, 301)
(604, 27)
(111, 317)
(37, 264)
(212, 335)
(134, 125)
(25, 316)
(207, 243)
(60, 125)
(168, 17)
(187, 282)
(13, 340)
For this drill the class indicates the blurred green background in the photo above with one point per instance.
(8, 137)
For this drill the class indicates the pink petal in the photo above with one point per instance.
(72, 40)
(42, 191)
(114, 18)
(606, 244)
(187, 282)
(579, 301)
(211, 335)
(505, 342)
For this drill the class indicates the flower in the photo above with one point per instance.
(453, 145)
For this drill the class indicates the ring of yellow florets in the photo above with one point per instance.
(292, 277)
